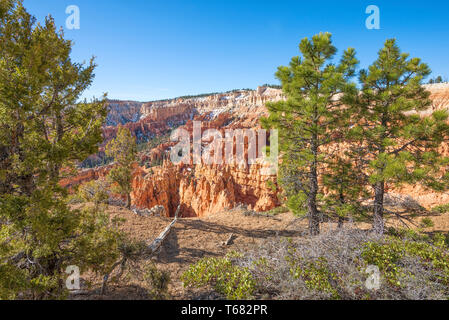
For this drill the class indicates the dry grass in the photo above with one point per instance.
(193, 239)
(334, 269)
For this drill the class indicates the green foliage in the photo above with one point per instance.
(438, 79)
(123, 149)
(93, 162)
(386, 258)
(339, 145)
(315, 274)
(44, 129)
(309, 120)
(441, 209)
(394, 144)
(235, 282)
(154, 142)
(273, 86)
(276, 211)
(96, 192)
(390, 255)
(158, 282)
(427, 223)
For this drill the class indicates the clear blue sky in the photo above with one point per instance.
(150, 49)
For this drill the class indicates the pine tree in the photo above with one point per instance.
(123, 149)
(44, 129)
(343, 181)
(395, 144)
(308, 120)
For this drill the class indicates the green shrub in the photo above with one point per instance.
(442, 209)
(427, 223)
(158, 282)
(235, 282)
(315, 274)
(277, 210)
(95, 191)
(386, 257)
(389, 257)
(334, 265)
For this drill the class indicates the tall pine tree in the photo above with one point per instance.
(308, 120)
(394, 142)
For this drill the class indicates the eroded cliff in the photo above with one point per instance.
(206, 189)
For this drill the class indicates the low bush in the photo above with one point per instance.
(276, 211)
(157, 282)
(427, 223)
(228, 279)
(334, 265)
(442, 209)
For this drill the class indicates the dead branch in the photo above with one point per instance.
(229, 241)
(106, 277)
(401, 218)
(152, 248)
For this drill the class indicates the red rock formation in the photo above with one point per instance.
(157, 186)
(84, 176)
(163, 110)
(122, 112)
(214, 188)
(202, 190)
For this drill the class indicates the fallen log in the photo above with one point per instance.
(152, 248)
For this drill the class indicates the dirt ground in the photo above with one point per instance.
(195, 238)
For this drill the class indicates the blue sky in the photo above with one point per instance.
(150, 50)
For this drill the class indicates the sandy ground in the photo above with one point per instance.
(195, 238)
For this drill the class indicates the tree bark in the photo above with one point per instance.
(341, 220)
(378, 221)
(128, 201)
(314, 221)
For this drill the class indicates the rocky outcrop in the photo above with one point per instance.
(122, 112)
(439, 94)
(147, 120)
(202, 190)
(84, 176)
(163, 110)
(214, 188)
(157, 186)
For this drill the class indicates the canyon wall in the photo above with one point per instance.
(122, 112)
(202, 190)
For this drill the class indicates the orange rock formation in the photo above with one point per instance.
(202, 190)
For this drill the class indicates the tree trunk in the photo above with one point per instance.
(314, 220)
(341, 220)
(128, 201)
(378, 221)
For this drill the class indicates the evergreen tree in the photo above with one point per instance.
(43, 130)
(342, 180)
(123, 149)
(309, 119)
(395, 144)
